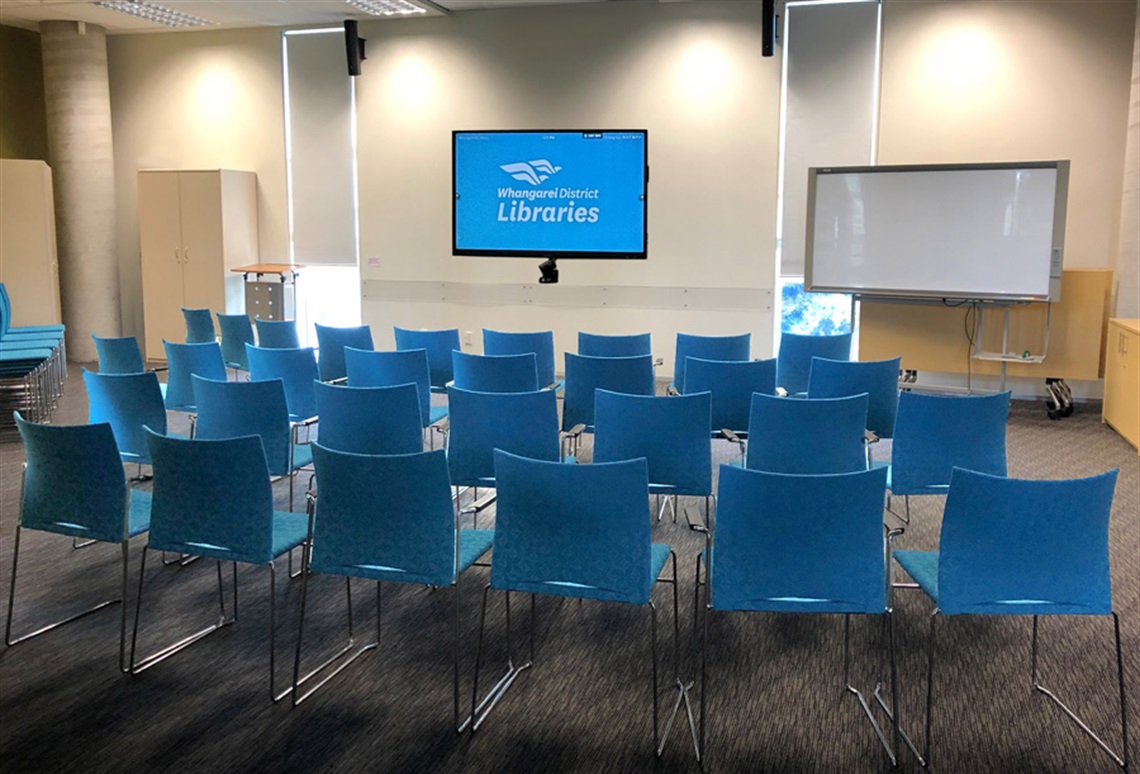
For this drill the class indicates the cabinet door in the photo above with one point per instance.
(160, 243)
(1128, 410)
(203, 274)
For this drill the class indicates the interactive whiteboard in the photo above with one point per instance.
(985, 232)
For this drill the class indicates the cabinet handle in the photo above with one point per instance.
(178, 259)
(185, 255)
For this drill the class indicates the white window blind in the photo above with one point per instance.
(830, 95)
(320, 148)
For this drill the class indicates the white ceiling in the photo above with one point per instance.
(233, 13)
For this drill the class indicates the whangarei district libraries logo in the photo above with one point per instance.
(533, 172)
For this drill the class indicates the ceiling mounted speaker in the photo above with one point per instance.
(353, 47)
(768, 28)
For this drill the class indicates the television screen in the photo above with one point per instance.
(557, 194)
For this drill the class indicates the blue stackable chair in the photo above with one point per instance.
(439, 345)
(184, 362)
(585, 375)
(370, 420)
(935, 433)
(199, 326)
(495, 373)
(73, 485)
(236, 331)
(732, 383)
(671, 433)
(800, 544)
(1027, 548)
(37, 331)
(541, 343)
(236, 409)
(127, 402)
(793, 361)
(277, 334)
(386, 518)
(555, 535)
(118, 354)
(390, 369)
(737, 347)
(297, 369)
(622, 345)
(212, 499)
(878, 378)
(331, 342)
(809, 436)
(522, 423)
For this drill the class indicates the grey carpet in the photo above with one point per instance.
(778, 702)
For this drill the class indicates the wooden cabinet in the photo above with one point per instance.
(29, 265)
(1122, 379)
(194, 226)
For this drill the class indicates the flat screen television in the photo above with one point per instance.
(550, 194)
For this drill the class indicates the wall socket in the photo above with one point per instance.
(468, 339)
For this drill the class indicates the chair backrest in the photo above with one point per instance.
(495, 373)
(793, 362)
(118, 355)
(5, 310)
(211, 498)
(737, 347)
(585, 374)
(73, 482)
(731, 383)
(391, 514)
(128, 403)
(366, 368)
(331, 343)
(799, 543)
(439, 345)
(522, 423)
(541, 343)
(277, 334)
(199, 326)
(671, 433)
(878, 378)
(185, 361)
(809, 436)
(236, 409)
(236, 331)
(555, 535)
(603, 345)
(297, 368)
(1025, 547)
(370, 420)
(935, 434)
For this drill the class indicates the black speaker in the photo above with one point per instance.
(353, 47)
(768, 28)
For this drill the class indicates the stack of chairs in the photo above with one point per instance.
(33, 368)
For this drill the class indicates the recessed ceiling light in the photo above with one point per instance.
(155, 13)
(386, 7)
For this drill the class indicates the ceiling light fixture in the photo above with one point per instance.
(155, 13)
(386, 7)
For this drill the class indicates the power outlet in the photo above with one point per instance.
(468, 338)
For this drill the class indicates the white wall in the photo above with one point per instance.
(190, 100)
(690, 73)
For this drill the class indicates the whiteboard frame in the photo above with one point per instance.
(1056, 251)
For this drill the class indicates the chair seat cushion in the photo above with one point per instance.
(302, 455)
(473, 543)
(436, 413)
(923, 567)
(289, 531)
(658, 556)
(138, 518)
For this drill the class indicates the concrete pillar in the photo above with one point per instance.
(80, 151)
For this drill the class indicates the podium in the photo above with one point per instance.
(270, 290)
